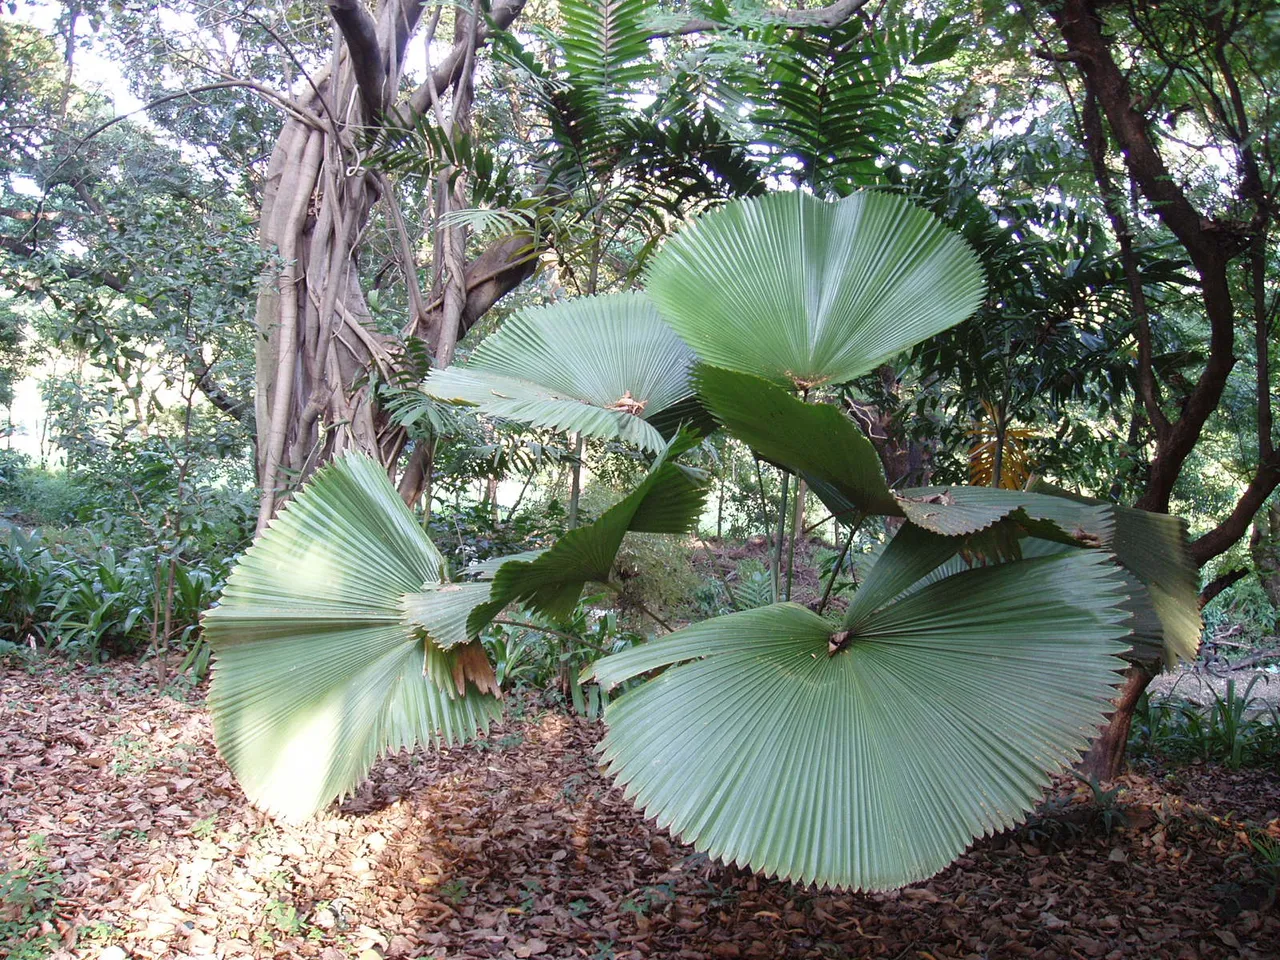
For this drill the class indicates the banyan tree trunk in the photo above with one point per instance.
(315, 344)
(317, 347)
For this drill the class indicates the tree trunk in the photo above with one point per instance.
(317, 345)
(1106, 757)
(314, 340)
(1266, 555)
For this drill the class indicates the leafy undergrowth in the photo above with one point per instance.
(113, 800)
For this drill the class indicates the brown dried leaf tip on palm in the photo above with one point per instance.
(472, 663)
(628, 404)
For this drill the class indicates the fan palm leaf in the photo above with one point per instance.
(602, 366)
(813, 439)
(828, 449)
(1153, 547)
(804, 292)
(961, 510)
(871, 759)
(668, 500)
(317, 669)
(1145, 630)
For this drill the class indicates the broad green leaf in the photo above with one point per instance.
(601, 366)
(812, 439)
(317, 671)
(804, 292)
(961, 510)
(870, 761)
(1153, 547)
(668, 500)
(441, 609)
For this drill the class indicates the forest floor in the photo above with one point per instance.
(112, 796)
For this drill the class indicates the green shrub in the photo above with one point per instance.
(471, 532)
(28, 900)
(28, 576)
(1244, 605)
(656, 575)
(754, 585)
(1237, 729)
(39, 496)
(81, 596)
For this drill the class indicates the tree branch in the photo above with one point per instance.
(367, 61)
(238, 410)
(1218, 584)
(827, 17)
(1081, 27)
(73, 271)
(298, 112)
(1208, 243)
(1221, 538)
(449, 70)
(1095, 139)
(1261, 345)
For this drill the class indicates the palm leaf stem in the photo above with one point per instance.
(575, 487)
(782, 532)
(835, 570)
(764, 504)
(817, 523)
(797, 520)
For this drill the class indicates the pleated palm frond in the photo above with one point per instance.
(813, 439)
(602, 366)
(870, 759)
(960, 510)
(832, 453)
(442, 610)
(804, 292)
(317, 670)
(668, 500)
(1145, 631)
(485, 569)
(1154, 548)
(914, 556)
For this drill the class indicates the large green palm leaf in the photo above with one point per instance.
(869, 761)
(602, 366)
(804, 292)
(813, 439)
(1153, 547)
(668, 500)
(317, 669)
